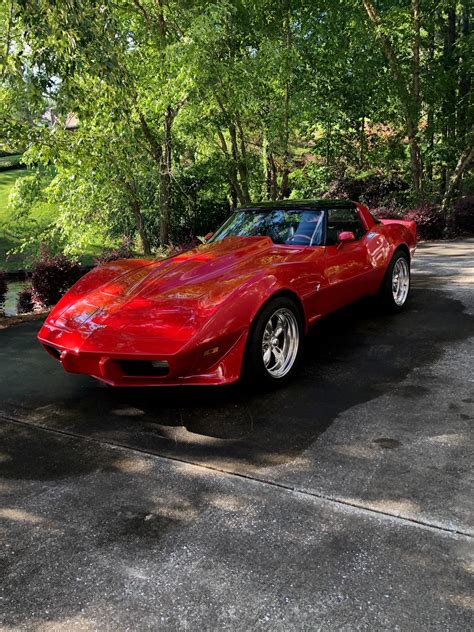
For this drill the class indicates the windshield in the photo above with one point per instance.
(291, 227)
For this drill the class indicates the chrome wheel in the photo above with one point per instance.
(281, 338)
(400, 281)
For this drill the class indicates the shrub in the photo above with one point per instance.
(3, 291)
(464, 214)
(386, 212)
(176, 249)
(52, 277)
(25, 302)
(430, 223)
(371, 189)
(124, 251)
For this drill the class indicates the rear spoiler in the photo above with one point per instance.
(410, 224)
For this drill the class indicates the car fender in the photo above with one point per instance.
(231, 322)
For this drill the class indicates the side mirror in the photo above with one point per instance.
(208, 236)
(346, 235)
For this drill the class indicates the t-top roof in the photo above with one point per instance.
(277, 205)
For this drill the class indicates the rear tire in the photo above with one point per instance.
(274, 344)
(395, 288)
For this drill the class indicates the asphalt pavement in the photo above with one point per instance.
(342, 502)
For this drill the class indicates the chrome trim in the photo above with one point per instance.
(280, 342)
(400, 281)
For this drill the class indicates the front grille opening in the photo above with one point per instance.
(145, 368)
(53, 351)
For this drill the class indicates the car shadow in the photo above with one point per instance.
(350, 357)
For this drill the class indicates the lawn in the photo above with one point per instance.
(7, 238)
(43, 213)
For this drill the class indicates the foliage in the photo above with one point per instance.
(373, 189)
(52, 276)
(176, 250)
(25, 302)
(123, 251)
(430, 223)
(10, 162)
(387, 212)
(186, 109)
(3, 290)
(464, 215)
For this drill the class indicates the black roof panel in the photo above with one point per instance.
(296, 204)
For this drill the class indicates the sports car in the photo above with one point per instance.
(238, 305)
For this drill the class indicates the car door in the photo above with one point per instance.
(347, 266)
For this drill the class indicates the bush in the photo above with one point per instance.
(430, 223)
(386, 212)
(464, 214)
(176, 249)
(371, 189)
(25, 302)
(3, 291)
(124, 251)
(52, 277)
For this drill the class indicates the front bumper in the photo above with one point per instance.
(191, 366)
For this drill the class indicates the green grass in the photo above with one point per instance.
(7, 180)
(43, 213)
(7, 161)
(7, 238)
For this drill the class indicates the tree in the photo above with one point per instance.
(409, 93)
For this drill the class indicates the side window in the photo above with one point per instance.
(341, 219)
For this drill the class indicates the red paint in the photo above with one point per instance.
(346, 235)
(176, 309)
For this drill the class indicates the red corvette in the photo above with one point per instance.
(241, 302)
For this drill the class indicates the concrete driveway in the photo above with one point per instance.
(343, 501)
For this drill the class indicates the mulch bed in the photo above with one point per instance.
(11, 321)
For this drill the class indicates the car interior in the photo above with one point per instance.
(343, 219)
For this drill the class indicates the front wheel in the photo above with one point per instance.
(395, 287)
(274, 343)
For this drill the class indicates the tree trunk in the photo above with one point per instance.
(134, 205)
(154, 146)
(165, 178)
(328, 143)
(286, 152)
(284, 192)
(430, 123)
(465, 75)
(135, 208)
(415, 105)
(409, 94)
(237, 194)
(243, 160)
(448, 109)
(362, 141)
(447, 205)
(415, 159)
(237, 157)
(272, 182)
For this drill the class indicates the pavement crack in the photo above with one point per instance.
(335, 501)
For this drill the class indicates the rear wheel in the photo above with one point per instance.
(274, 343)
(395, 287)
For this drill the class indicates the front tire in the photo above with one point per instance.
(274, 343)
(395, 287)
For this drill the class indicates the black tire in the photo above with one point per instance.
(386, 294)
(255, 372)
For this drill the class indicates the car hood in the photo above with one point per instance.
(169, 299)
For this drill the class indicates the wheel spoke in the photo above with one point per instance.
(280, 342)
(278, 354)
(268, 330)
(400, 281)
(267, 354)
